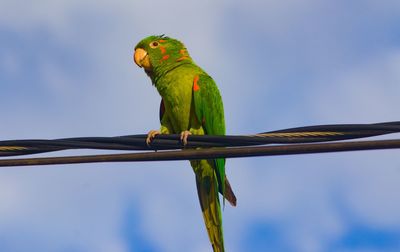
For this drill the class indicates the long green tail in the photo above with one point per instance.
(207, 189)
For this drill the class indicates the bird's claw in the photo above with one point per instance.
(184, 136)
(151, 135)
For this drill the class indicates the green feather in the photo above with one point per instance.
(191, 101)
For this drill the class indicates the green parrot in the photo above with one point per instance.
(190, 104)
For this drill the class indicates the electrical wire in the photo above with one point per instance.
(165, 143)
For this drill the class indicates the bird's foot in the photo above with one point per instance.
(151, 135)
(184, 136)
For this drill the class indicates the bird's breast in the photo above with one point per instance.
(178, 102)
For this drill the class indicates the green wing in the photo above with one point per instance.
(209, 111)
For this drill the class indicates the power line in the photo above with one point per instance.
(300, 140)
(210, 153)
(309, 134)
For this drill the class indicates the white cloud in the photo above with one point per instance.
(52, 203)
(363, 93)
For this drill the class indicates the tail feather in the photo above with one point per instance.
(210, 206)
(229, 195)
(207, 190)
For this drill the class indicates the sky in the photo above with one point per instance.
(66, 70)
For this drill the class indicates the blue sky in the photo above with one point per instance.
(66, 70)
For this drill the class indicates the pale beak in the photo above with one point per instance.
(141, 58)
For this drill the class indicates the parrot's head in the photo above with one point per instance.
(158, 52)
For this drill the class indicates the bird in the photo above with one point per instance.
(191, 104)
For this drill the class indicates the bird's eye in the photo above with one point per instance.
(154, 44)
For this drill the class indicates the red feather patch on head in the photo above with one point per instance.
(195, 85)
(162, 49)
(165, 57)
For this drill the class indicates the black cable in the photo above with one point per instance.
(309, 134)
(209, 153)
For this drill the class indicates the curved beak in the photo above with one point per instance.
(141, 58)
